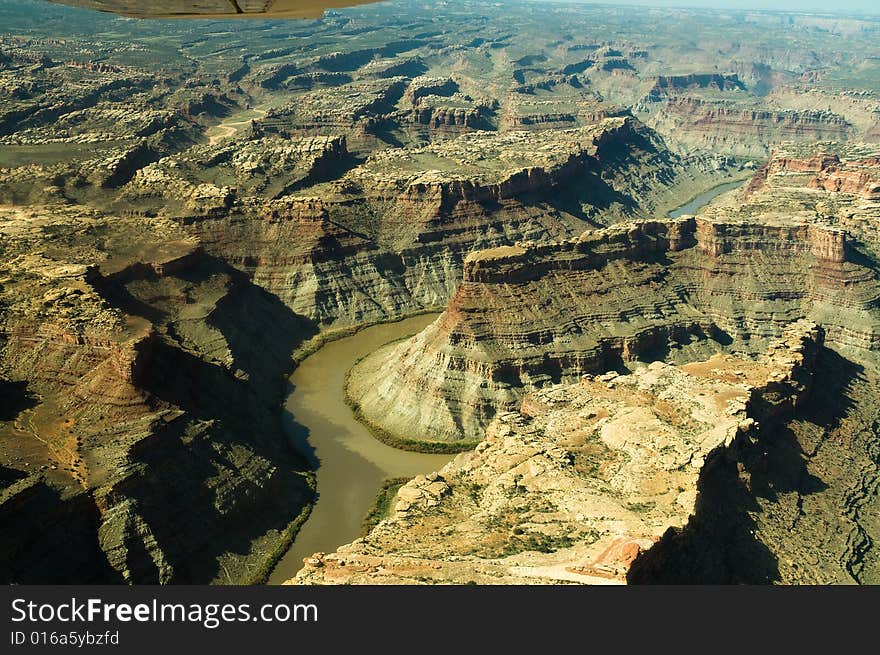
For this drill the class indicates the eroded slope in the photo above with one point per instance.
(582, 482)
(121, 465)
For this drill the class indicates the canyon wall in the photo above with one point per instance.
(122, 466)
(528, 315)
(184, 208)
(728, 127)
(585, 480)
(390, 237)
(129, 288)
(532, 325)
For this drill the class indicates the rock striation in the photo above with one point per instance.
(707, 123)
(667, 84)
(390, 235)
(528, 315)
(182, 207)
(581, 482)
(128, 472)
(855, 171)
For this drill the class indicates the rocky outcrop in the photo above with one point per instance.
(132, 472)
(668, 84)
(422, 87)
(357, 110)
(494, 169)
(581, 483)
(860, 177)
(527, 112)
(391, 235)
(384, 68)
(550, 83)
(120, 168)
(727, 127)
(838, 182)
(186, 211)
(528, 315)
(445, 117)
(205, 181)
(525, 122)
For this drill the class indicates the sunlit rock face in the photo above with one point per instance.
(215, 8)
(583, 483)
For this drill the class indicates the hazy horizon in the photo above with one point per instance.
(840, 7)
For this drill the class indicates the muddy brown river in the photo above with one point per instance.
(351, 463)
(693, 205)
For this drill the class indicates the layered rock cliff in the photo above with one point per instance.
(390, 236)
(584, 480)
(795, 505)
(856, 174)
(528, 315)
(668, 84)
(190, 205)
(122, 466)
(161, 288)
(731, 128)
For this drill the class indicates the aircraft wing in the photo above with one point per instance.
(215, 8)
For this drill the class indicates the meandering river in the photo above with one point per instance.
(697, 203)
(351, 462)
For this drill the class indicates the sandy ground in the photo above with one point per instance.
(230, 127)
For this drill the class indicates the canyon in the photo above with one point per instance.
(556, 359)
(585, 481)
(527, 315)
(189, 211)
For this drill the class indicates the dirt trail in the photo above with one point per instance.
(229, 127)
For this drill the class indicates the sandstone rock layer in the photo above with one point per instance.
(581, 482)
